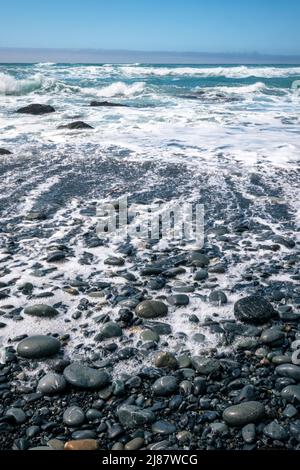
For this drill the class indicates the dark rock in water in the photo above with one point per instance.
(244, 413)
(206, 366)
(40, 310)
(159, 327)
(110, 330)
(199, 260)
(132, 416)
(289, 370)
(82, 376)
(107, 104)
(17, 415)
(36, 109)
(275, 431)
(201, 275)
(178, 300)
(165, 359)
(56, 256)
(73, 416)
(218, 297)
(272, 337)
(39, 346)
(36, 215)
(151, 309)
(156, 283)
(51, 384)
(163, 427)
(287, 242)
(114, 261)
(77, 125)
(165, 386)
(4, 152)
(254, 309)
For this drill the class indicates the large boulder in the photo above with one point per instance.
(84, 377)
(4, 152)
(36, 109)
(151, 309)
(77, 125)
(41, 310)
(244, 413)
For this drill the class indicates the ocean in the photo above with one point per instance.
(223, 136)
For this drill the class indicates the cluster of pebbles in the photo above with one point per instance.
(143, 344)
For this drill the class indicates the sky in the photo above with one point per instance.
(238, 26)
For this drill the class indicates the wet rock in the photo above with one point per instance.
(218, 297)
(37, 347)
(199, 260)
(107, 104)
(56, 256)
(135, 444)
(17, 415)
(77, 125)
(275, 431)
(244, 413)
(4, 152)
(178, 300)
(151, 309)
(163, 427)
(131, 416)
(149, 335)
(273, 337)
(82, 376)
(291, 393)
(254, 309)
(73, 416)
(201, 275)
(51, 384)
(165, 386)
(110, 330)
(36, 109)
(82, 444)
(40, 310)
(249, 433)
(289, 370)
(206, 366)
(165, 360)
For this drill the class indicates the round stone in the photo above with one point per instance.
(254, 309)
(165, 359)
(244, 413)
(151, 309)
(131, 416)
(206, 366)
(199, 260)
(201, 275)
(17, 415)
(149, 335)
(163, 427)
(289, 370)
(218, 297)
(178, 300)
(272, 337)
(82, 376)
(291, 393)
(43, 311)
(73, 416)
(135, 444)
(111, 330)
(165, 385)
(39, 346)
(82, 444)
(52, 384)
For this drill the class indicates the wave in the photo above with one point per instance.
(11, 86)
(118, 89)
(227, 72)
(246, 89)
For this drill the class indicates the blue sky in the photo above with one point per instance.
(265, 26)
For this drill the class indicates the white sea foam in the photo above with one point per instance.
(228, 72)
(118, 89)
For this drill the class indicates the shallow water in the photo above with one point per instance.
(226, 137)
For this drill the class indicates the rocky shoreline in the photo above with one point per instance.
(133, 344)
